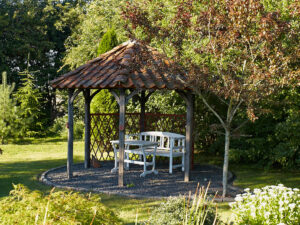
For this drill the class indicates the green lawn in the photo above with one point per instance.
(25, 161)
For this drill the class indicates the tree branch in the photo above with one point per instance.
(240, 126)
(234, 111)
(213, 111)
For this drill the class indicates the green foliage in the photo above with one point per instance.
(270, 205)
(59, 128)
(38, 28)
(170, 212)
(287, 149)
(104, 102)
(8, 111)
(29, 98)
(95, 19)
(274, 137)
(187, 211)
(108, 42)
(25, 207)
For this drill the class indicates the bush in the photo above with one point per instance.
(180, 210)
(59, 127)
(269, 205)
(273, 142)
(25, 207)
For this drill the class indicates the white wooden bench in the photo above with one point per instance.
(143, 148)
(170, 145)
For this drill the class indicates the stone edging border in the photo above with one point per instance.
(44, 180)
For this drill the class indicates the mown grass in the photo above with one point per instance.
(253, 176)
(23, 161)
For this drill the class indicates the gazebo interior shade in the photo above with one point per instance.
(131, 65)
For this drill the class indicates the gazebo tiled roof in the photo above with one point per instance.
(129, 65)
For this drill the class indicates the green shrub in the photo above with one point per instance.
(59, 127)
(187, 211)
(25, 207)
(108, 42)
(270, 205)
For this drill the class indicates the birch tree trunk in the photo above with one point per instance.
(226, 161)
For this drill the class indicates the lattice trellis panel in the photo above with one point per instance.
(104, 128)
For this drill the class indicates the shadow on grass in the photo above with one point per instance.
(29, 141)
(26, 173)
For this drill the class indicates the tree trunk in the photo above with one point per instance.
(226, 161)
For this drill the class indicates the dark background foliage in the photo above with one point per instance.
(45, 38)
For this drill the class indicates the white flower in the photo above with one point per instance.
(281, 224)
(280, 202)
(281, 209)
(247, 189)
(295, 189)
(292, 206)
(256, 191)
(238, 198)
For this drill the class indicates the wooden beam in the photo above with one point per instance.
(87, 122)
(149, 94)
(74, 95)
(143, 101)
(133, 93)
(93, 95)
(122, 105)
(188, 134)
(70, 134)
(116, 96)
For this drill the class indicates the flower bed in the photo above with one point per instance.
(269, 205)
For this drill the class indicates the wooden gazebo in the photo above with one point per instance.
(130, 66)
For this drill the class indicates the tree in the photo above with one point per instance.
(108, 42)
(104, 102)
(40, 29)
(8, 110)
(95, 20)
(29, 98)
(240, 51)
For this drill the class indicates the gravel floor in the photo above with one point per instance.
(161, 185)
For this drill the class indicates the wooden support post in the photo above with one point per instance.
(70, 135)
(122, 105)
(143, 111)
(189, 135)
(87, 122)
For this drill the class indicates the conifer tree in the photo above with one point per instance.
(104, 102)
(108, 42)
(29, 100)
(8, 110)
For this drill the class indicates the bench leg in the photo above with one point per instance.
(145, 161)
(115, 169)
(153, 165)
(171, 165)
(127, 164)
(182, 163)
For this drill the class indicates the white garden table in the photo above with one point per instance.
(141, 148)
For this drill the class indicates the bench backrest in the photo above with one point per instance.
(166, 140)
